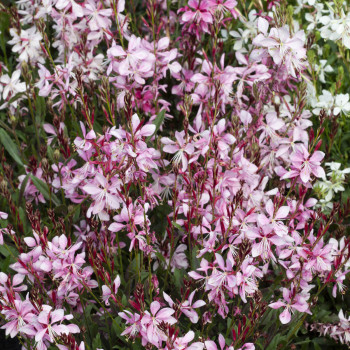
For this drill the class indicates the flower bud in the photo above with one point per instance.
(56, 155)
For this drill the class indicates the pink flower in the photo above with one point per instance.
(98, 15)
(144, 131)
(281, 47)
(19, 318)
(320, 258)
(180, 148)
(84, 143)
(181, 343)
(107, 292)
(9, 288)
(3, 216)
(48, 327)
(67, 4)
(274, 218)
(187, 307)
(303, 165)
(298, 303)
(133, 320)
(104, 196)
(151, 321)
(246, 279)
(197, 11)
(223, 6)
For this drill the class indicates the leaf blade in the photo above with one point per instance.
(10, 147)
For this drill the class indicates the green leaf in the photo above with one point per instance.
(157, 122)
(6, 251)
(316, 346)
(178, 226)
(5, 263)
(10, 146)
(178, 277)
(275, 342)
(44, 189)
(16, 97)
(194, 259)
(97, 342)
(161, 257)
(40, 106)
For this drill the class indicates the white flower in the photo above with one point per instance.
(342, 104)
(243, 36)
(336, 172)
(327, 188)
(324, 205)
(314, 18)
(27, 44)
(325, 101)
(322, 69)
(301, 4)
(12, 85)
(336, 28)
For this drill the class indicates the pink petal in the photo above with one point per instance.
(210, 345)
(277, 305)
(57, 315)
(317, 156)
(188, 16)
(263, 25)
(39, 335)
(92, 189)
(165, 313)
(282, 212)
(116, 227)
(148, 130)
(155, 306)
(285, 316)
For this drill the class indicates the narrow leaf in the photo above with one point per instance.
(157, 122)
(10, 147)
(44, 189)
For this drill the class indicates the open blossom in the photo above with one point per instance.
(197, 12)
(275, 217)
(108, 293)
(12, 85)
(98, 16)
(135, 61)
(49, 324)
(281, 47)
(290, 304)
(336, 28)
(183, 342)
(85, 143)
(341, 104)
(223, 6)
(182, 149)
(304, 165)
(27, 45)
(133, 322)
(104, 195)
(151, 321)
(187, 307)
(77, 9)
(19, 318)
